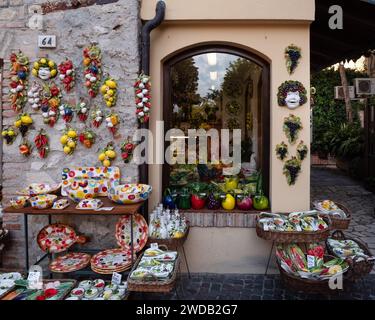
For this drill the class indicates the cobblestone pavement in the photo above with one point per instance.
(325, 184)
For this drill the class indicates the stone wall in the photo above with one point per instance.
(114, 26)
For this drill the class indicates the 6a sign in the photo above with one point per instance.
(47, 41)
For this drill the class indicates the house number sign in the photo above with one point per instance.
(47, 41)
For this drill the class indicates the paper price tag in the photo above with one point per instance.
(34, 276)
(154, 246)
(116, 278)
(310, 262)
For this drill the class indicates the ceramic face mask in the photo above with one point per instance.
(44, 73)
(292, 99)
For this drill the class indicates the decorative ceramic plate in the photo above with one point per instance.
(111, 260)
(56, 238)
(70, 262)
(140, 232)
(39, 188)
(97, 176)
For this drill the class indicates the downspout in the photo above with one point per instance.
(145, 67)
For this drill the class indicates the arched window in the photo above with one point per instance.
(216, 87)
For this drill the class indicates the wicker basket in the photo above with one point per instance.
(150, 283)
(359, 269)
(299, 284)
(339, 223)
(294, 236)
(170, 243)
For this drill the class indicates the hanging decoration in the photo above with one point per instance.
(92, 69)
(25, 148)
(292, 168)
(9, 134)
(51, 98)
(233, 107)
(66, 111)
(87, 138)
(281, 150)
(292, 125)
(44, 69)
(127, 149)
(107, 155)
(292, 57)
(23, 123)
(249, 121)
(19, 71)
(67, 74)
(33, 95)
(109, 92)
(97, 117)
(233, 123)
(143, 97)
(69, 140)
(302, 151)
(82, 111)
(291, 94)
(41, 141)
(112, 121)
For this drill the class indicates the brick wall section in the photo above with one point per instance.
(115, 27)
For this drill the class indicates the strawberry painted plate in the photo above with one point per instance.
(140, 232)
(70, 262)
(55, 238)
(111, 260)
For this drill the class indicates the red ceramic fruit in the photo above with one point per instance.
(198, 201)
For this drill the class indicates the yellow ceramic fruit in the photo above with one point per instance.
(103, 89)
(106, 163)
(26, 120)
(178, 234)
(72, 134)
(53, 73)
(17, 123)
(43, 61)
(110, 93)
(101, 157)
(64, 139)
(36, 65)
(51, 63)
(11, 133)
(229, 202)
(112, 84)
(67, 150)
(4, 133)
(109, 104)
(110, 99)
(114, 120)
(34, 72)
(110, 154)
(86, 61)
(71, 144)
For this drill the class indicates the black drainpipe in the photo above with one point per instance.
(145, 66)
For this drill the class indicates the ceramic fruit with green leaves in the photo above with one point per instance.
(231, 183)
(260, 201)
(229, 202)
(244, 201)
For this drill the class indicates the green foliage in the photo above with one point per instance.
(347, 141)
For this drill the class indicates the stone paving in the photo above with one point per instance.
(325, 184)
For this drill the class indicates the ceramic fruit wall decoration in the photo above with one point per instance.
(107, 155)
(44, 69)
(292, 168)
(19, 71)
(23, 122)
(82, 110)
(69, 140)
(66, 111)
(51, 97)
(302, 151)
(112, 122)
(87, 138)
(67, 74)
(109, 92)
(291, 94)
(229, 202)
(292, 57)
(9, 134)
(34, 95)
(42, 143)
(281, 150)
(92, 69)
(127, 148)
(97, 117)
(142, 89)
(292, 126)
(25, 148)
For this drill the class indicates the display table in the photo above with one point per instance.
(118, 209)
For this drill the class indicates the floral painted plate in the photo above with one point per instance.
(55, 238)
(95, 176)
(140, 232)
(111, 260)
(70, 262)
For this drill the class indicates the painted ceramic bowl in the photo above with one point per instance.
(19, 202)
(43, 201)
(129, 193)
(80, 193)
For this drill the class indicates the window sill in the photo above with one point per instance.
(221, 218)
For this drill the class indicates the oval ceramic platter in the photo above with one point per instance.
(140, 232)
(35, 189)
(111, 260)
(56, 238)
(70, 262)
